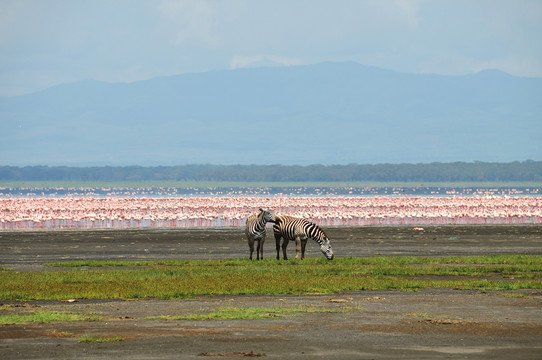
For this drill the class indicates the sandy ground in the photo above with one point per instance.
(433, 323)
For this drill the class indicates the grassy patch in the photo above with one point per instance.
(516, 295)
(44, 317)
(119, 263)
(189, 278)
(242, 313)
(373, 260)
(92, 339)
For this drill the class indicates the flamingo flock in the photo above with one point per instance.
(212, 211)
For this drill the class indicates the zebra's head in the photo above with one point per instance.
(327, 250)
(267, 215)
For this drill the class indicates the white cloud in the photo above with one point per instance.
(43, 43)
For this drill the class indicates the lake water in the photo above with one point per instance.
(157, 192)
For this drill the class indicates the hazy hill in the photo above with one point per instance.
(329, 113)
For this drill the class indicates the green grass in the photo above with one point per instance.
(190, 278)
(92, 339)
(242, 313)
(44, 317)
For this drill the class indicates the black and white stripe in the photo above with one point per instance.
(255, 230)
(300, 230)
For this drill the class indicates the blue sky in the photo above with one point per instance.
(49, 42)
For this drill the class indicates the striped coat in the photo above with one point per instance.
(255, 230)
(300, 230)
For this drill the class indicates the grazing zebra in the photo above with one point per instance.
(300, 230)
(255, 230)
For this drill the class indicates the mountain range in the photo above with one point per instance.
(327, 113)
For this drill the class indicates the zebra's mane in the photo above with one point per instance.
(261, 214)
(319, 228)
(316, 226)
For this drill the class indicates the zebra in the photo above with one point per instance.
(255, 230)
(300, 230)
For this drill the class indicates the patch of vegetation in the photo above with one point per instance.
(189, 278)
(516, 295)
(92, 339)
(373, 260)
(44, 317)
(119, 263)
(242, 313)
(433, 172)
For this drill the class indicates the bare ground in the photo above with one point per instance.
(433, 323)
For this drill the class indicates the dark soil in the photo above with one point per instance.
(433, 323)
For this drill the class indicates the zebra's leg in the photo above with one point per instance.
(277, 243)
(284, 246)
(297, 247)
(251, 247)
(303, 246)
(259, 249)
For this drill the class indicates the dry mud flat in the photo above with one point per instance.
(433, 323)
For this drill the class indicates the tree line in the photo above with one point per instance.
(438, 172)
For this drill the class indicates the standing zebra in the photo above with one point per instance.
(300, 230)
(255, 230)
